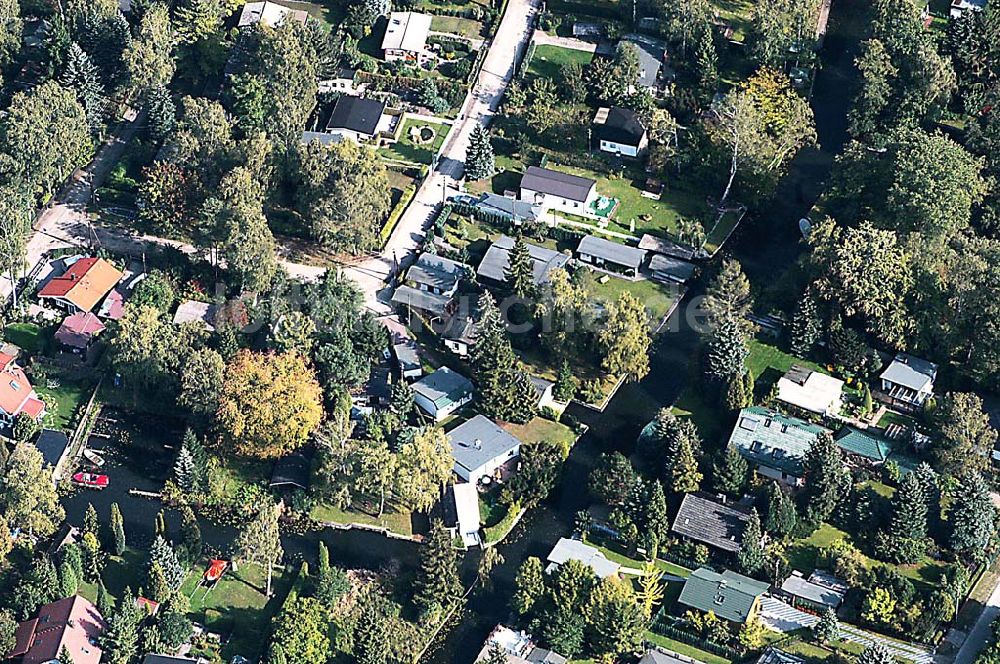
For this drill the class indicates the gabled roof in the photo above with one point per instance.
(772, 439)
(911, 372)
(16, 393)
(650, 54)
(509, 207)
(406, 31)
(657, 656)
(497, 260)
(193, 311)
(797, 586)
(84, 284)
(72, 623)
(270, 14)
(713, 523)
(79, 329)
(419, 299)
(775, 656)
(619, 254)
(666, 247)
(478, 441)
(671, 269)
(356, 114)
(572, 549)
(863, 443)
(557, 183)
(444, 387)
(729, 595)
(435, 271)
(619, 125)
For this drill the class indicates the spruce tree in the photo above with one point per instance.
(184, 470)
(876, 653)
(525, 399)
(401, 400)
(684, 475)
(826, 479)
(905, 541)
(735, 396)
(161, 555)
(199, 476)
(372, 638)
(707, 63)
(972, 517)
(64, 656)
(437, 583)
(91, 524)
(161, 111)
(191, 544)
(104, 603)
(68, 581)
(827, 629)
(566, 383)
(726, 350)
(730, 472)
(121, 640)
(495, 372)
(781, 514)
(520, 270)
(82, 76)
(156, 583)
(117, 531)
(805, 328)
(479, 160)
(657, 521)
(751, 554)
(529, 586)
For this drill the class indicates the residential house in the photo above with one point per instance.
(776, 656)
(480, 447)
(16, 393)
(271, 14)
(650, 53)
(496, 262)
(72, 623)
(619, 131)
(374, 394)
(728, 595)
(811, 390)
(113, 306)
(774, 442)
(819, 592)
(908, 382)
(54, 445)
(430, 285)
(717, 524)
(82, 286)
(406, 38)
(360, 120)
(78, 331)
(519, 647)
(544, 390)
(554, 190)
(459, 331)
(959, 7)
(863, 446)
(193, 311)
(670, 270)
(461, 512)
(661, 245)
(660, 656)
(343, 82)
(572, 549)
(442, 393)
(509, 208)
(611, 257)
(404, 348)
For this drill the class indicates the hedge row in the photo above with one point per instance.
(661, 628)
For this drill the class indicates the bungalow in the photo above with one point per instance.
(442, 393)
(650, 55)
(908, 382)
(670, 270)
(819, 592)
(435, 274)
(549, 189)
(430, 304)
(716, 524)
(73, 624)
(496, 262)
(82, 285)
(407, 355)
(509, 208)
(959, 7)
(811, 390)
(358, 119)
(610, 257)
(406, 38)
(460, 330)
(479, 447)
(270, 14)
(200, 313)
(775, 443)
(863, 445)
(519, 647)
(461, 512)
(343, 82)
(729, 595)
(619, 131)
(16, 393)
(572, 549)
(544, 390)
(78, 331)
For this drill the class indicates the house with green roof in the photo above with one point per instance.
(728, 595)
(774, 442)
(863, 445)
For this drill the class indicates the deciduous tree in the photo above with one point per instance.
(28, 499)
(625, 338)
(259, 543)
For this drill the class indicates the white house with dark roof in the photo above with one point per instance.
(442, 393)
(817, 593)
(612, 257)
(497, 260)
(479, 447)
(360, 120)
(908, 382)
(429, 286)
(406, 37)
(959, 7)
(554, 190)
(619, 131)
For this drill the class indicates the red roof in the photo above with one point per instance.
(78, 330)
(84, 283)
(72, 623)
(16, 393)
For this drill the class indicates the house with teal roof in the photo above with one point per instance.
(863, 445)
(774, 442)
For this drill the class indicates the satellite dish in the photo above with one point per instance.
(804, 227)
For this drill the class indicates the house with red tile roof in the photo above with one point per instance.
(72, 623)
(82, 286)
(16, 393)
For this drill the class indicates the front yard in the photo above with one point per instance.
(421, 150)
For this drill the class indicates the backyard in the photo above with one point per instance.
(394, 518)
(542, 429)
(457, 25)
(62, 398)
(29, 337)
(548, 60)
(429, 138)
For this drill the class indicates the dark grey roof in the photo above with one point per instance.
(52, 444)
(545, 656)
(666, 247)
(435, 271)
(443, 387)
(710, 522)
(422, 300)
(167, 659)
(291, 470)
(911, 372)
(671, 269)
(478, 441)
(407, 354)
(509, 207)
(345, 72)
(657, 656)
(497, 259)
(357, 114)
(729, 595)
(613, 252)
(564, 185)
(619, 125)
(775, 656)
(650, 55)
(462, 326)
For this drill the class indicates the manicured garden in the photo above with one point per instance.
(420, 150)
(63, 398)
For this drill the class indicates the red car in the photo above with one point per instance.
(91, 480)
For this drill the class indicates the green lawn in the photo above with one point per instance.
(398, 521)
(803, 553)
(684, 649)
(635, 563)
(892, 417)
(62, 400)
(118, 574)
(457, 25)
(542, 429)
(29, 337)
(548, 60)
(657, 297)
(720, 232)
(406, 150)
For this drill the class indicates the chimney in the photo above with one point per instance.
(478, 444)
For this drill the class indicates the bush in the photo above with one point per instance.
(549, 413)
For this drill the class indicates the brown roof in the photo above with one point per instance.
(79, 329)
(72, 623)
(84, 284)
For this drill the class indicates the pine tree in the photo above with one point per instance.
(401, 400)
(730, 472)
(161, 111)
(520, 270)
(657, 521)
(905, 541)
(437, 583)
(184, 470)
(751, 554)
(827, 629)
(156, 583)
(805, 328)
(65, 657)
(479, 160)
(781, 514)
(876, 653)
(495, 370)
(81, 75)
(117, 531)
(972, 517)
(104, 603)
(525, 399)
(91, 524)
(825, 478)
(160, 554)
(121, 640)
(684, 475)
(726, 350)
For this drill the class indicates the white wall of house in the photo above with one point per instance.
(350, 134)
(775, 474)
(473, 476)
(624, 149)
(459, 348)
(438, 414)
(550, 202)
